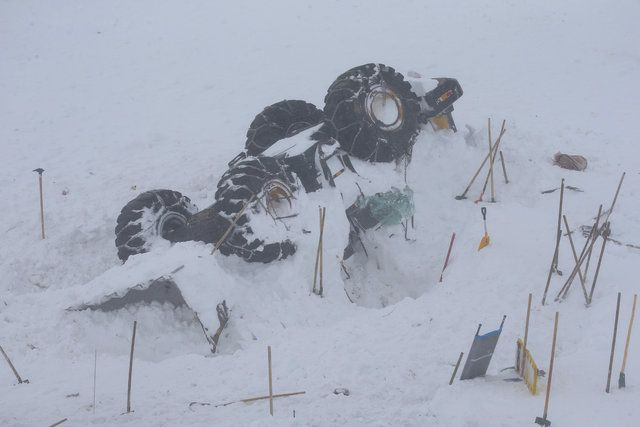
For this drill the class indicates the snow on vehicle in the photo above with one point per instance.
(371, 117)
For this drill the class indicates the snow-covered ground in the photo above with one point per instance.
(114, 98)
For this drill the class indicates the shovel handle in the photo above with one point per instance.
(484, 213)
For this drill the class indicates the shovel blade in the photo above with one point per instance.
(543, 421)
(484, 242)
(621, 382)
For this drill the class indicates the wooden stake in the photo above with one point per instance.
(504, 169)
(95, 366)
(453, 376)
(554, 260)
(15, 372)
(270, 381)
(446, 260)
(252, 399)
(319, 257)
(621, 379)
(594, 233)
(232, 225)
(615, 197)
(493, 155)
(605, 235)
(553, 351)
(575, 257)
(58, 423)
(133, 343)
(39, 171)
(526, 335)
(613, 343)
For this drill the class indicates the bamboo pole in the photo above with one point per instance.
(554, 260)
(492, 157)
(504, 169)
(453, 376)
(597, 224)
(319, 258)
(232, 225)
(95, 369)
(605, 235)
(133, 343)
(58, 423)
(446, 260)
(613, 343)
(615, 197)
(40, 171)
(520, 366)
(553, 351)
(15, 372)
(621, 379)
(575, 257)
(493, 194)
(270, 381)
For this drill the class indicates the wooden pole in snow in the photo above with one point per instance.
(543, 421)
(613, 343)
(504, 169)
(318, 266)
(446, 260)
(493, 156)
(605, 235)
(621, 379)
(95, 369)
(133, 343)
(232, 225)
(575, 257)
(15, 372)
(455, 371)
(554, 261)
(526, 335)
(39, 171)
(270, 381)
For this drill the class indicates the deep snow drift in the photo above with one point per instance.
(112, 99)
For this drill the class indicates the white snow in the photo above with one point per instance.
(115, 98)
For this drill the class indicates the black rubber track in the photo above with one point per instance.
(349, 123)
(137, 223)
(236, 187)
(278, 121)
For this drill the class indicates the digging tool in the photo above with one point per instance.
(613, 343)
(446, 260)
(621, 378)
(543, 421)
(39, 171)
(485, 241)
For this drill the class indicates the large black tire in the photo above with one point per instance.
(249, 177)
(278, 121)
(153, 215)
(373, 113)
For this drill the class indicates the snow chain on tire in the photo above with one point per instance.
(156, 214)
(252, 176)
(372, 112)
(278, 121)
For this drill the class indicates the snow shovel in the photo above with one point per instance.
(485, 239)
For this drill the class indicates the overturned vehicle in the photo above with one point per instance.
(372, 115)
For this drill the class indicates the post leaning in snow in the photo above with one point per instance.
(133, 343)
(95, 368)
(520, 366)
(39, 171)
(554, 260)
(493, 155)
(446, 260)
(613, 344)
(594, 234)
(553, 352)
(270, 381)
(318, 290)
(605, 235)
(575, 257)
(615, 197)
(232, 225)
(504, 169)
(492, 158)
(15, 372)
(621, 379)
(455, 371)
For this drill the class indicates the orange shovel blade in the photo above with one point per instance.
(484, 242)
